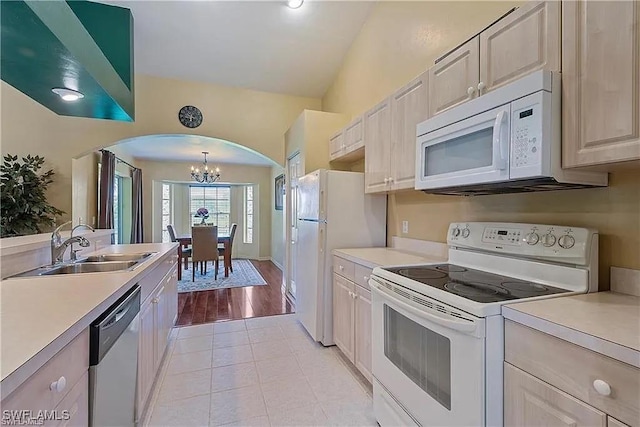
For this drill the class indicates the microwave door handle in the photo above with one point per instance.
(498, 155)
(451, 324)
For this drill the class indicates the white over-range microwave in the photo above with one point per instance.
(506, 141)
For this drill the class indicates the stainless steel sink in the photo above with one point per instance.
(90, 267)
(115, 257)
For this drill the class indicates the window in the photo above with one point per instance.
(248, 214)
(217, 200)
(117, 210)
(166, 212)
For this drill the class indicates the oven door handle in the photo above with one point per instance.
(448, 323)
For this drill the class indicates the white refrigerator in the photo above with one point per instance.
(333, 212)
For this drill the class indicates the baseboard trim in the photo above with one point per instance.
(277, 264)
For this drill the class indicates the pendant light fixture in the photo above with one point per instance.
(206, 175)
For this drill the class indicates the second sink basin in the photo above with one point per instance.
(115, 257)
(90, 267)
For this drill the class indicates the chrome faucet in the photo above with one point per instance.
(58, 247)
(74, 257)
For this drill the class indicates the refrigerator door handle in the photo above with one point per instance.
(321, 239)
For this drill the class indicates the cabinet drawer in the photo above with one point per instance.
(362, 275)
(531, 402)
(344, 268)
(573, 369)
(72, 362)
(156, 275)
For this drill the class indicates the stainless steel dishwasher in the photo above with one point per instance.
(113, 359)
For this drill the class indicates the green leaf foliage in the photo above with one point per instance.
(23, 202)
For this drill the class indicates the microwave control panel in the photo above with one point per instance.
(526, 135)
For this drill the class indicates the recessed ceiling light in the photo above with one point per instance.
(294, 4)
(68, 95)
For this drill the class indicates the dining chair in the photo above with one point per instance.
(186, 252)
(204, 247)
(221, 247)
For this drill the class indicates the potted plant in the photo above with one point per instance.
(23, 202)
(202, 213)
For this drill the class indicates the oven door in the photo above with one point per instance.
(471, 151)
(428, 356)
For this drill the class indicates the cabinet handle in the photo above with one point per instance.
(481, 87)
(390, 180)
(471, 91)
(155, 300)
(366, 279)
(59, 385)
(350, 294)
(341, 267)
(386, 180)
(602, 387)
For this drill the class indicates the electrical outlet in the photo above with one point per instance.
(405, 227)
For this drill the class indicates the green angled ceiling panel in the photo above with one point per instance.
(79, 45)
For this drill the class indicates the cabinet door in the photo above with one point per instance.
(146, 358)
(377, 137)
(612, 422)
(525, 41)
(353, 135)
(336, 144)
(172, 299)
(600, 82)
(529, 401)
(408, 108)
(160, 323)
(76, 403)
(363, 332)
(454, 79)
(343, 319)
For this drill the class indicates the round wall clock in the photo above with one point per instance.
(190, 116)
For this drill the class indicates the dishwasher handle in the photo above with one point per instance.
(107, 328)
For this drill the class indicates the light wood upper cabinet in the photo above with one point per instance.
(377, 136)
(529, 401)
(336, 145)
(408, 108)
(612, 422)
(524, 41)
(454, 79)
(343, 316)
(363, 353)
(353, 137)
(600, 82)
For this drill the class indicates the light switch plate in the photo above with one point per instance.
(405, 227)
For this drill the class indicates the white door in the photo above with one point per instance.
(294, 171)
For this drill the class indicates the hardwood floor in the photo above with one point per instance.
(236, 303)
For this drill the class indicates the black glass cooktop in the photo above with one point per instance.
(473, 284)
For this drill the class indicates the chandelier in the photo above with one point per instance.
(205, 175)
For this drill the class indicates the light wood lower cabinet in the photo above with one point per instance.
(343, 315)
(362, 326)
(604, 385)
(352, 317)
(157, 317)
(600, 82)
(75, 406)
(529, 401)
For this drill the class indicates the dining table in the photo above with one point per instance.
(185, 240)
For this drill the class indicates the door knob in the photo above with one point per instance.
(59, 385)
(602, 387)
(481, 87)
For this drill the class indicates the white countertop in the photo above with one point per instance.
(605, 322)
(376, 257)
(40, 315)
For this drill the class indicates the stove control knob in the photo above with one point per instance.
(567, 241)
(465, 233)
(455, 232)
(532, 238)
(549, 240)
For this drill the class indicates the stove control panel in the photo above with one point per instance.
(531, 240)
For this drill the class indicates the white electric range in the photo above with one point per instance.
(438, 340)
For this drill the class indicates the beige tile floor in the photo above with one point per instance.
(257, 372)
